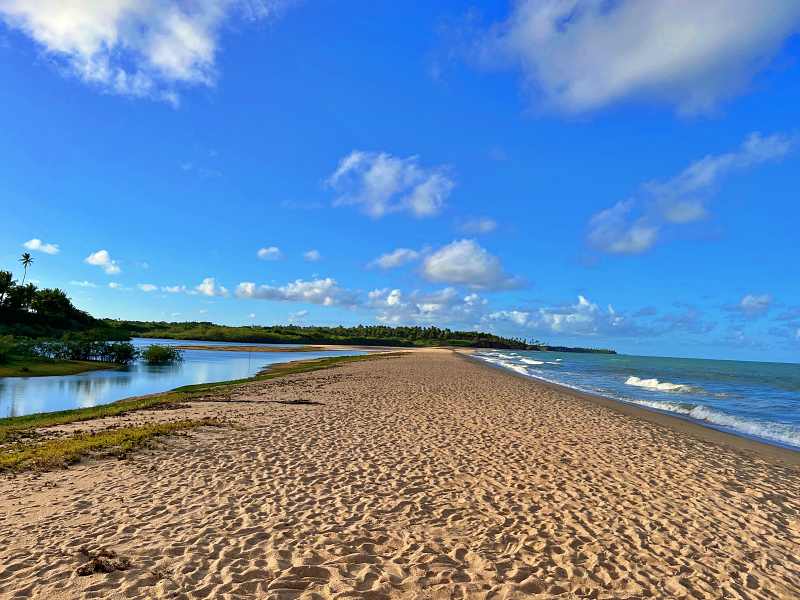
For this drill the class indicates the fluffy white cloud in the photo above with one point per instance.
(464, 262)
(143, 48)
(580, 55)
(633, 226)
(381, 183)
(317, 291)
(147, 287)
(395, 258)
(115, 286)
(103, 259)
(478, 226)
(84, 284)
(754, 305)
(439, 307)
(209, 287)
(270, 253)
(582, 318)
(38, 245)
(312, 256)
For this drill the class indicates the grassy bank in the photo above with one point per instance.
(60, 452)
(43, 367)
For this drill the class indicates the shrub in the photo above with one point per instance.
(7, 347)
(161, 355)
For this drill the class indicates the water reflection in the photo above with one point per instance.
(26, 395)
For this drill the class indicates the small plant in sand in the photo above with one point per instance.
(161, 355)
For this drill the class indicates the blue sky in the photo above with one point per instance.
(579, 172)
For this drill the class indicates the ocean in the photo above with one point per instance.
(758, 400)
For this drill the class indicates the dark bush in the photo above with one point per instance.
(161, 355)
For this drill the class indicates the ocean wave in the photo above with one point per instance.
(530, 361)
(775, 432)
(655, 384)
(769, 431)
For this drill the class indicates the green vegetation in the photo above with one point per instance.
(74, 353)
(364, 335)
(43, 367)
(59, 452)
(161, 355)
(367, 335)
(12, 428)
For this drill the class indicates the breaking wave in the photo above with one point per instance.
(655, 384)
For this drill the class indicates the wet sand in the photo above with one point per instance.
(425, 476)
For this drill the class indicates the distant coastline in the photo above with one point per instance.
(361, 335)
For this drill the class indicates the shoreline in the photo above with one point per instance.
(662, 418)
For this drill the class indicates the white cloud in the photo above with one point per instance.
(612, 231)
(582, 318)
(633, 226)
(174, 289)
(84, 284)
(141, 48)
(209, 287)
(114, 285)
(38, 245)
(147, 287)
(312, 256)
(581, 55)
(395, 258)
(382, 184)
(317, 291)
(297, 316)
(439, 307)
(466, 263)
(102, 259)
(270, 253)
(754, 305)
(478, 226)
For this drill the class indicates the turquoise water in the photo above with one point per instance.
(753, 399)
(26, 395)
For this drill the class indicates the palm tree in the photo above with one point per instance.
(27, 261)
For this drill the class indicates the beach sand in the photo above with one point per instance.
(424, 476)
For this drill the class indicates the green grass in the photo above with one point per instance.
(42, 367)
(12, 428)
(58, 453)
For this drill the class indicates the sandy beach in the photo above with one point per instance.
(422, 476)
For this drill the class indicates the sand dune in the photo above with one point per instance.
(426, 476)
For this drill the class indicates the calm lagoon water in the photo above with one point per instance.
(27, 395)
(752, 399)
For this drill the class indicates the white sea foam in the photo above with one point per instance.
(775, 432)
(655, 384)
(530, 361)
